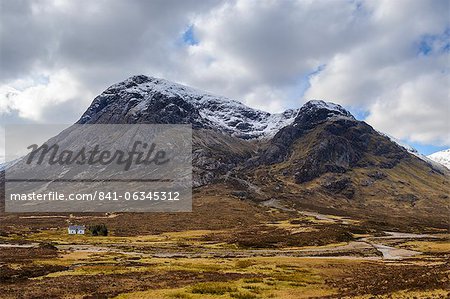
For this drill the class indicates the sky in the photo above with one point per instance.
(386, 61)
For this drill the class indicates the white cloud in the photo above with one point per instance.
(251, 46)
(258, 51)
(33, 102)
(417, 110)
(404, 91)
(2, 144)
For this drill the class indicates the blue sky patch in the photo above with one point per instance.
(434, 43)
(426, 149)
(358, 113)
(189, 37)
(303, 82)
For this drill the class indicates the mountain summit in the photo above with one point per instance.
(143, 99)
(317, 157)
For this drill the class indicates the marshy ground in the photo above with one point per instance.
(293, 255)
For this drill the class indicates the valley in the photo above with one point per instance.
(281, 253)
(308, 203)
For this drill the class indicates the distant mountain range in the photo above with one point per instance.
(442, 157)
(317, 157)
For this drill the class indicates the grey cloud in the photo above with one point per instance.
(23, 39)
(83, 35)
(279, 42)
(256, 51)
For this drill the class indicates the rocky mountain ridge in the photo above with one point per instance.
(220, 124)
(316, 157)
(142, 99)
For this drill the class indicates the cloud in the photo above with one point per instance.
(417, 110)
(25, 40)
(388, 59)
(251, 49)
(40, 101)
(400, 75)
(100, 42)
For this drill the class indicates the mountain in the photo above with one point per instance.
(436, 165)
(5, 165)
(142, 99)
(442, 157)
(318, 157)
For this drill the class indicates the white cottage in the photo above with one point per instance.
(76, 230)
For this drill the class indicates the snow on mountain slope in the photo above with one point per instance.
(5, 165)
(433, 162)
(219, 112)
(335, 110)
(442, 157)
(144, 99)
(407, 147)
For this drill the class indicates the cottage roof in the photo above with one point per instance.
(77, 227)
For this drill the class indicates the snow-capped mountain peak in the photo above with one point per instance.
(442, 157)
(326, 110)
(139, 96)
(332, 107)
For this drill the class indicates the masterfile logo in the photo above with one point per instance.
(100, 168)
(146, 155)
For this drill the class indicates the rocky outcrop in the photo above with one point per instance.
(338, 185)
(330, 141)
(316, 139)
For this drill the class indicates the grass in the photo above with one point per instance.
(242, 264)
(212, 288)
(429, 246)
(281, 277)
(408, 294)
(138, 274)
(179, 296)
(241, 295)
(264, 277)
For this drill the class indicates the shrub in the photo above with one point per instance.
(244, 296)
(212, 288)
(179, 296)
(244, 264)
(48, 246)
(99, 230)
